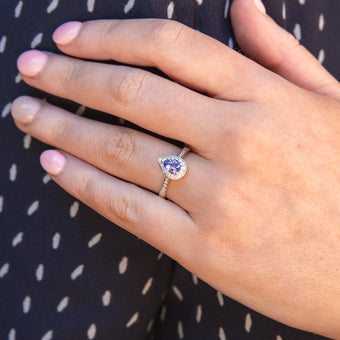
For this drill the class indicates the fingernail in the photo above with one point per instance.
(260, 6)
(65, 33)
(30, 63)
(24, 109)
(52, 161)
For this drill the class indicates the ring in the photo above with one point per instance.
(173, 167)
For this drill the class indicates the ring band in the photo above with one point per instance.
(173, 167)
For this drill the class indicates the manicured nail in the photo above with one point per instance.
(65, 33)
(24, 109)
(260, 6)
(30, 63)
(52, 161)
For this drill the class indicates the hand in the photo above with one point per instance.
(257, 215)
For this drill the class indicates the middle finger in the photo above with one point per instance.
(147, 100)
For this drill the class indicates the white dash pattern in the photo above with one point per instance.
(91, 332)
(220, 298)
(3, 42)
(26, 304)
(12, 334)
(178, 293)
(48, 335)
(27, 141)
(74, 209)
(106, 298)
(163, 313)
(321, 56)
(180, 330)
(39, 273)
(52, 6)
(199, 313)
(6, 110)
(132, 320)
(226, 8)
(297, 31)
(62, 304)
(90, 5)
(128, 6)
(147, 286)
(81, 109)
(248, 323)
(94, 240)
(17, 239)
(284, 11)
(13, 171)
(46, 179)
(33, 208)
(123, 264)
(221, 334)
(170, 10)
(4, 270)
(77, 272)
(149, 326)
(18, 9)
(56, 241)
(37, 40)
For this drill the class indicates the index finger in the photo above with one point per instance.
(187, 56)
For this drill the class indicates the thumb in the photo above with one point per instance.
(276, 49)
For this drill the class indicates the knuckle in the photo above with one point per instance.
(83, 186)
(119, 148)
(70, 75)
(129, 87)
(123, 207)
(107, 31)
(168, 33)
(60, 131)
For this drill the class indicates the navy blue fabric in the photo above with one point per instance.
(65, 271)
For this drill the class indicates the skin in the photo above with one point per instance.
(257, 215)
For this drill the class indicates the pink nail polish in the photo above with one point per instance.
(52, 161)
(30, 63)
(65, 33)
(24, 109)
(260, 6)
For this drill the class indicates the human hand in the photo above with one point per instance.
(257, 214)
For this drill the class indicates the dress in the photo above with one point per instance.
(66, 272)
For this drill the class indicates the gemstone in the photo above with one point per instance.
(172, 165)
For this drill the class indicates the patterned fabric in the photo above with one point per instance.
(66, 272)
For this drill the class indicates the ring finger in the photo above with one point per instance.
(122, 152)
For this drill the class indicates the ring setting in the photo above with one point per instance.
(173, 167)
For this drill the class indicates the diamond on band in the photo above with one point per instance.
(173, 167)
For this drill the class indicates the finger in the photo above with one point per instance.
(122, 152)
(187, 56)
(273, 47)
(161, 223)
(147, 100)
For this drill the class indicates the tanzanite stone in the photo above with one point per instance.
(172, 165)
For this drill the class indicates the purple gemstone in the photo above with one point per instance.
(172, 165)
